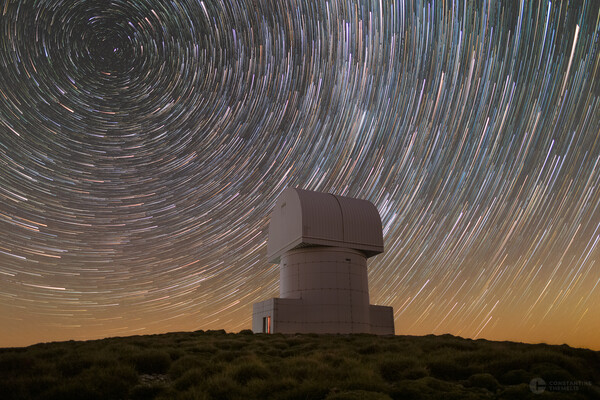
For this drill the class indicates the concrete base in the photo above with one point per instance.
(382, 320)
(278, 315)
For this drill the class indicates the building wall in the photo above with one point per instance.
(382, 320)
(284, 315)
(264, 309)
(332, 283)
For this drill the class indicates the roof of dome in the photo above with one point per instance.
(302, 217)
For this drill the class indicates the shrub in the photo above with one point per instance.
(590, 392)
(370, 349)
(358, 395)
(267, 389)
(517, 392)
(448, 390)
(485, 380)
(184, 364)
(448, 369)
(26, 387)
(190, 379)
(307, 390)
(545, 356)
(417, 372)
(551, 372)
(71, 390)
(219, 387)
(215, 332)
(71, 365)
(398, 368)
(205, 348)
(230, 344)
(175, 353)
(506, 363)
(193, 393)
(152, 362)
(301, 368)
(229, 356)
(361, 377)
(246, 371)
(411, 390)
(332, 359)
(16, 364)
(145, 392)
(109, 383)
(516, 376)
(432, 343)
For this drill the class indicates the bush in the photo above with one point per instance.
(448, 369)
(191, 378)
(246, 371)
(516, 376)
(411, 390)
(174, 353)
(415, 373)
(396, 369)
(71, 390)
(485, 381)
(509, 362)
(192, 394)
(26, 387)
(145, 392)
(362, 378)
(16, 364)
(370, 349)
(301, 368)
(551, 372)
(215, 332)
(152, 362)
(517, 392)
(268, 389)
(219, 387)
(358, 395)
(307, 390)
(205, 348)
(71, 365)
(542, 357)
(110, 383)
(185, 364)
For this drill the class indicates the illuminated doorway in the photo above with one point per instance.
(266, 324)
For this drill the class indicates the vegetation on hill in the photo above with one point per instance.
(219, 365)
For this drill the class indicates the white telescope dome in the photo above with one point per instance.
(321, 242)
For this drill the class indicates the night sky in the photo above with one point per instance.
(144, 143)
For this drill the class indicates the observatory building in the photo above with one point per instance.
(321, 242)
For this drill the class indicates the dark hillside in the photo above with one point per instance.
(219, 365)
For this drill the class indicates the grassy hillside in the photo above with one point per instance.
(217, 365)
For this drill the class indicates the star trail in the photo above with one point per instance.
(143, 145)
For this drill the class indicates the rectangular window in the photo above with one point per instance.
(269, 324)
(264, 328)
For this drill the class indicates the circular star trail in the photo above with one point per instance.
(143, 144)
